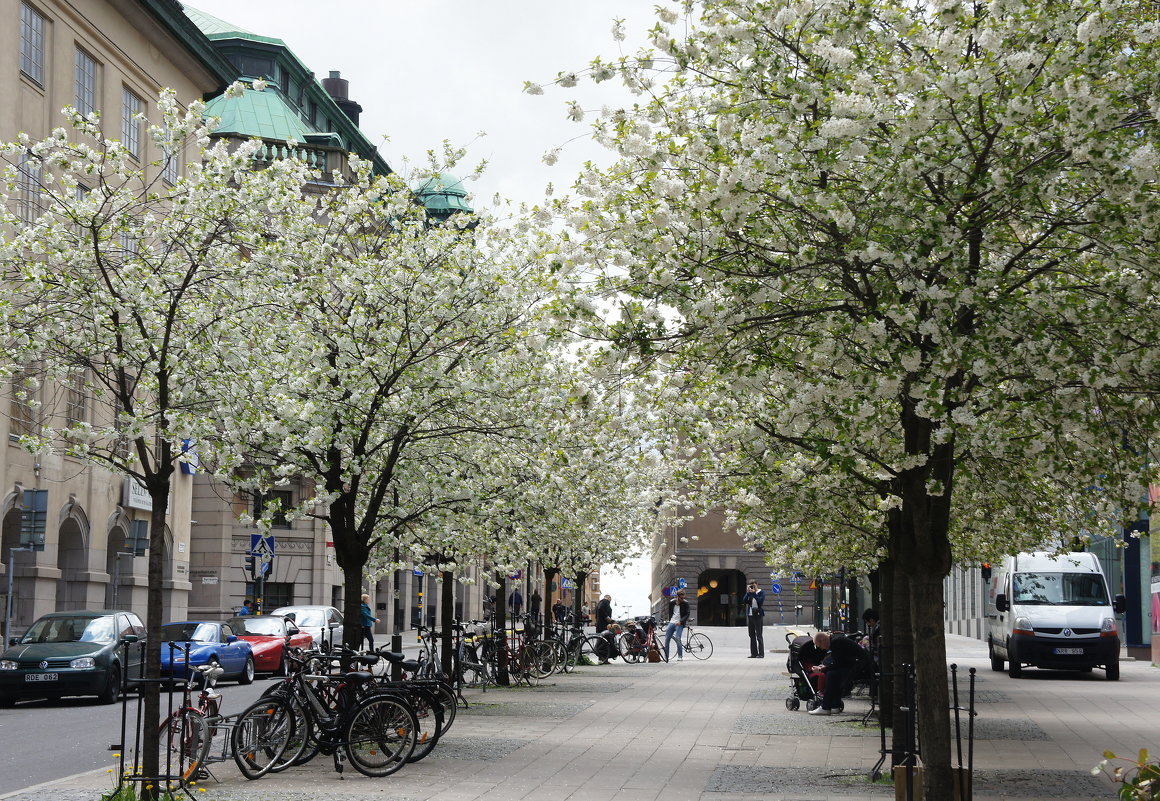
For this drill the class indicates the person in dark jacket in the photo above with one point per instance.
(678, 619)
(516, 602)
(603, 613)
(845, 658)
(752, 601)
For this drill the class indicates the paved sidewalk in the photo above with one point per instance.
(719, 730)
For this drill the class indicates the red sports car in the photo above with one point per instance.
(269, 636)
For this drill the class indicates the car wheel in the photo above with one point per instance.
(7, 701)
(1112, 671)
(996, 662)
(1014, 669)
(283, 665)
(112, 689)
(247, 676)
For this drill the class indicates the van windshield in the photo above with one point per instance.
(1059, 589)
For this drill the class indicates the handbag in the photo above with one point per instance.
(654, 654)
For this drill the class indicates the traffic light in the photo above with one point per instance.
(985, 571)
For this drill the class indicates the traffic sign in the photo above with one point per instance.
(262, 549)
(681, 584)
(776, 588)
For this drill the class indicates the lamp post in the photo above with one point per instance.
(8, 603)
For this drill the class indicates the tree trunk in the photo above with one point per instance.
(447, 620)
(886, 661)
(500, 634)
(578, 599)
(352, 629)
(930, 666)
(550, 574)
(902, 653)
(158, 489)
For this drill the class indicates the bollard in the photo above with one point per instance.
(396, 668)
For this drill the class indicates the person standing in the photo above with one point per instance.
(368, 622)
(516, 602)
(753, 601)
(247, 608)
(559, 611)
(678, 619)
(603, 613)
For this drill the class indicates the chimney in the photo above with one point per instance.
(338, 88)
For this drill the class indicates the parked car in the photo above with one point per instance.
(324, 623)
(208, 643)
(73, 653)
(269, 636)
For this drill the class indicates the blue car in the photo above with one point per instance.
(209, 643)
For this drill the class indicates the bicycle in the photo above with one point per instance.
(186, 735)
(349, 714)
(698, 645)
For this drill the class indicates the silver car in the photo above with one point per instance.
(323, 623)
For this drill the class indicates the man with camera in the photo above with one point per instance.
(753, 601)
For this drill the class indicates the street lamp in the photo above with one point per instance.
(8, 602)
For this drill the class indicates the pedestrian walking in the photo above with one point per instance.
(678, 619)
(752, 601)
(516, 602)
(585, 613)
(368, 622)
(603, 613)
(559, 611)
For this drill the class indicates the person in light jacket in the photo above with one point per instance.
(753, 602)
(678, 619)
(368, 622)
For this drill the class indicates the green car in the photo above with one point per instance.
(72, 653)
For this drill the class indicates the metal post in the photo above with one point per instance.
(8, 602)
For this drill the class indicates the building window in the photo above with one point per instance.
(131, 106)
(277, 594)
(171, 164)
(22, 411)
(29, 204)
(284, 499)
(75, 408)
(32, 43)
(86, 83)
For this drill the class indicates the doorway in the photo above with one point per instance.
(718, 595)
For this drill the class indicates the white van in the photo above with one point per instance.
(1052, 611)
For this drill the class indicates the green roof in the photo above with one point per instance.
(262, 114)
(443, 194)
(217, 28)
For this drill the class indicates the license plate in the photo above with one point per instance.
(1069, 652)
(41, 676)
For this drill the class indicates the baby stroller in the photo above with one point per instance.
(803, 657)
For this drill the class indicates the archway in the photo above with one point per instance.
(72, 559)
(119, 564)
(718, 596)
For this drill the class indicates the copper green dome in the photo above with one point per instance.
(443, 195)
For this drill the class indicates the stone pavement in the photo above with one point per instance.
(719, 730)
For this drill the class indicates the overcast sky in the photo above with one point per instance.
(426, 71)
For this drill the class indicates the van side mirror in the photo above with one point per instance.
(1001, 602)
(1120, 604)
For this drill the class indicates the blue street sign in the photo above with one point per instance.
(417, 572)
(681, 584)
(262, 548)
(776, 588)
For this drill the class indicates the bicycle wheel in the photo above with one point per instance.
(381, 735)
(261, 735)
(626, 645)
(185, 741)
(594, 649)
(300, 741)
(699, 646)
(543, 658)
(561, 652)
(428, 709)
(524, 668)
